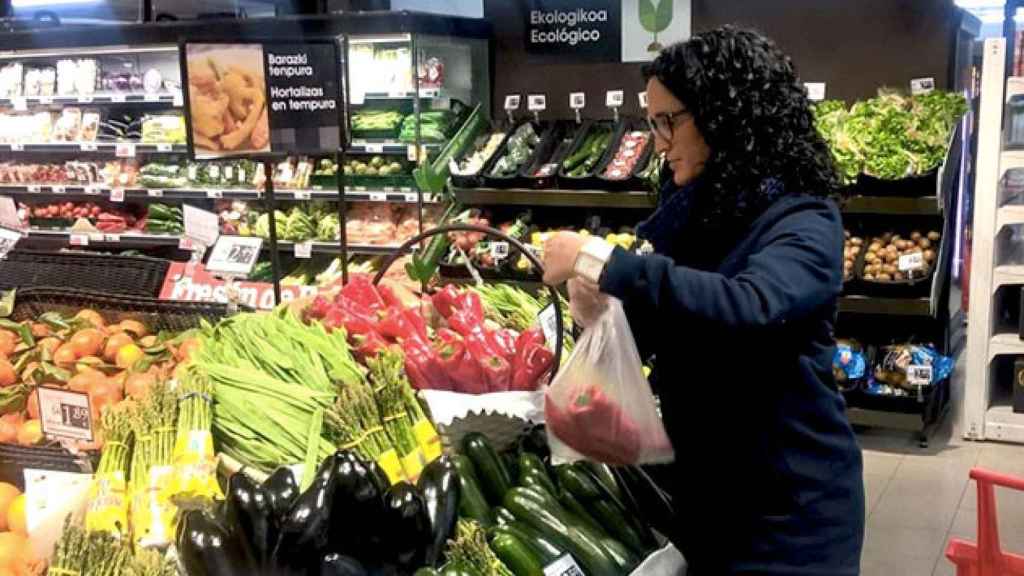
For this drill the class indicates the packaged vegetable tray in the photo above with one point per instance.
(591, 150)
(468, 178)
(519, 149)
(554, 147)
(628, 158)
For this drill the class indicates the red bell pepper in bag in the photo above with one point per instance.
(444, 300)
(463, 371)
(531, 365)
(595, 426)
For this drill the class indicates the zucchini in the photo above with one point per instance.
(543, 546)
(471, 501)
(516, 555)
(573, 506)
(575, 481)
(617, 523)
(494, 477)
(602, 474)
(530, 465)
(622, 556)
(590, 553)
(535, 479)
(502, 515)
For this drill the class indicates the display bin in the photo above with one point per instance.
(130, 275)
(14, 460)
(476, 180)
(554, 147)
(911, 186)
(634, 181)
(543, 131)
(589, 181)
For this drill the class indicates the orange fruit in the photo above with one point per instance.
(14, 549)
(8, 342)
(187, 349)
(115, 343)
(8, 492)
(65, 356)
(137, 385)
(16, 516)
(7, 375)
(128, 355)
(30, 433)
(87, 342)
(83, 381)
(8, 431)
(135, 327)
(40, 330)
(92, 316)
(32, 405)
(49, 344)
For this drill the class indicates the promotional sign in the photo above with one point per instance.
(235, 255)
(259, 98)
(202, 286)
(605, 30)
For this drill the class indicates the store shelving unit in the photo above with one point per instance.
(355, 194)
(554, 198)
(997, 263)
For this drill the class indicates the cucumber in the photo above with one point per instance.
(573, 506)
(543, 546)
(596, 561)
(618, 523)
(494, 477)
(575, 481)
(502, 515)
(516, 555)
(622, 556)
(535, 479)
(472, 503)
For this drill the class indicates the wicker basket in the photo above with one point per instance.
(135, 275)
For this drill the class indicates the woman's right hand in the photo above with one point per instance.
(586, 303)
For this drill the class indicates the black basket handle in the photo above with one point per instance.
(461, 227)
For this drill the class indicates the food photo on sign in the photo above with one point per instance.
(227, 100)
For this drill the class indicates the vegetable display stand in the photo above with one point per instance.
(502, 416)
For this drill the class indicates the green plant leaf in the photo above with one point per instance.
(647, 15)
(663, 16)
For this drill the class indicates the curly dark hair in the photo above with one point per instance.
(753, 112)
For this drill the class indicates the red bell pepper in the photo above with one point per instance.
(354, 324)
(388, 295)
(504, 340)
(536, 361)
(401, 323)
(318, 308)
(361, 291)
(417, 321)
(463, 371)
(444, 300)
(469, 303)
(367, 345)
(496, 369)
(593, 425)
(448, 335)
(532, 336)
(423, 365)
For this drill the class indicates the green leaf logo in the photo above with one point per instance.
(655, 19)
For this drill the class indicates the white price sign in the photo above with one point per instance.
(537, 102)
(614, 98)
(124, 150)
(564, 566)
(117, 98)
(303, 249)
(155, 193)
(512, 101)
(499, 250)
(164, 147)
(577, 100)
(919, 375)
(151, 97)
(85, 99)
(922, 85)
(17, 147)
(20, 104)
(117, 194)
(411, 197)
(548, 318)
(78, 240)
(909, 262)
(215, 194)
(9, 213)
(642, 99)
(302, 195)
(201, 225)
(91, 190)
(179, 99)
(88, 147)
(65, 414)
(815, 91)
(58, 189)
(46, 99)
(234, 255)
(374, 148)
(34, 188)
(378, 197)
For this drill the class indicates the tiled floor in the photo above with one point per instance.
(917, 499)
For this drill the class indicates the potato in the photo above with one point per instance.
(929, 256)
(915, 235)
(883, 277)
(924, 243)
(899, 276)
(890, 269)
(856, 241)
(934, 236)
(875, 246)
(869, 276)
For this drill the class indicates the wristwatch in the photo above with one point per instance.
(592, 258)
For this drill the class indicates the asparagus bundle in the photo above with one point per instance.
(469, 550)
(153, 515)
(108, 503)
(194, 480)
(357, 420)
(387, 374)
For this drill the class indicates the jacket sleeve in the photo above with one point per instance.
(795, 268)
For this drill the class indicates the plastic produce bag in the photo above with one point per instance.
(600, 406)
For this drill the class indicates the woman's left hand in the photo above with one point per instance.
(560, 253)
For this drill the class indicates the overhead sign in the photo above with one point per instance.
(260, 98)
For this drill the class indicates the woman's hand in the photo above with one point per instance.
(586, 303)
(560, 253)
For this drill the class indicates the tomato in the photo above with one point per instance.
(115, 343)
(87, 342)
(92, 316)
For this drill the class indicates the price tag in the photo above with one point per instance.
(112, 238)
(117, 194)
(95, 237)
(214, 194)
(499, 250)
(91, 190)
(548, 319)
(164, 147)
(378, 197)
(151, 97)
(65, 414)
(302, 194)
(58, 189)
(564, 566)
(429, 92)
(411, 197)
(303, 249)
(909, 262)
(46, 99)
(512, 101)
(88, 147)
(34, 188)
(179, 99)
(124, 150)
(78, 240)
(234, 255)
(642, 99)
(200, 225)
(155, 193)
(922, 85)
(19, 103)
(17, 147)
(537, 102)
(411, 153)
(815, 91)
(374, 148)
(919, 375)
(118, 98)
(9, 213)
(185, 244)
(85, 99)
(577, 100)
(614, 98)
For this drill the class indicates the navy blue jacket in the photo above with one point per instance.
(768, 473)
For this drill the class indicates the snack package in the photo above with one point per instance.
(912, 365)
(848, 363)
(600, 406)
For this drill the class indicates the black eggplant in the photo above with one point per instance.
(305, 532)
(405, 514)
(439, 485)
(206, 548)
(358, 496)
(248, 513)
(282, 489)
(338, 565)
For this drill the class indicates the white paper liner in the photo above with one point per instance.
(667, 561)
(501, 416)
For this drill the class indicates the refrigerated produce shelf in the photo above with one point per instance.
(554, 198)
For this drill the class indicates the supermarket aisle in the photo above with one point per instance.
(918, 498)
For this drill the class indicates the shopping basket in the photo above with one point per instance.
(986, 558)
(503, 416)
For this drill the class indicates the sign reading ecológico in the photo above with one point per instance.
(587, 30)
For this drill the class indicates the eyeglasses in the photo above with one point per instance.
(664, 124)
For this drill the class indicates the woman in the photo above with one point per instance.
(736, 308)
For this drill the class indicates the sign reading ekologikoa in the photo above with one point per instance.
(605, 30)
